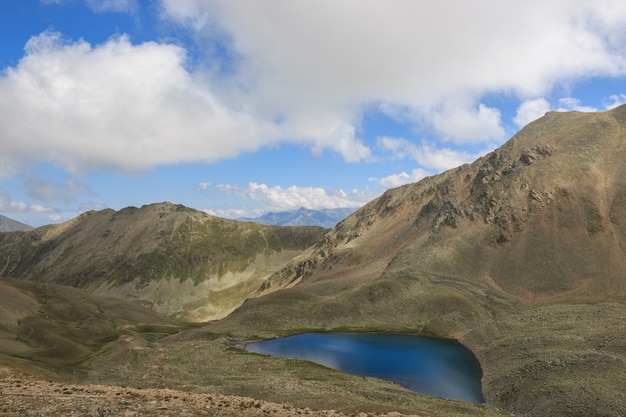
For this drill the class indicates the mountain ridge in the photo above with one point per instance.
(178, 260)
(326, 218)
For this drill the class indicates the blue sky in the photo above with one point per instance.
(238, 107)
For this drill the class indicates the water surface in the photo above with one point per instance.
(439, 367)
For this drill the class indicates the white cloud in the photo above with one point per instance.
(616, 100)
(427, 155)
(234, 213)
(403, 178)
(133, 107)
(531, 110)
(8, 205)
(115, 105)
(294, 197)
(462, 124)
(308, 60)
(573, 104)
(204, 186)
(297, 72)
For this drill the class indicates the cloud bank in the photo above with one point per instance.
(296, 72)
(294, 197)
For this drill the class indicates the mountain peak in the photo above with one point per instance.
(10, 225)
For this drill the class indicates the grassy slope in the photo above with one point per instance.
(206, 265)
(520, 255)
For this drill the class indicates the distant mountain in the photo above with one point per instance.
(179, 261)
(327, 218)
(10, 225)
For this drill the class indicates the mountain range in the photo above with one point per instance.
(179, 261)
(327, 218)
(520, 255)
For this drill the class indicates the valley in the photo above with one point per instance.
(521, 256)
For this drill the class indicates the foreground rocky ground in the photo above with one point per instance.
(24, 395)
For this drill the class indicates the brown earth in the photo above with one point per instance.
(22, 394)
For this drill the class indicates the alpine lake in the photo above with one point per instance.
(433, 366)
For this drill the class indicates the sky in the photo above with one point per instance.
(240, 107)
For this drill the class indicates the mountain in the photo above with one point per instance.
(521, 255)
(10, 225)
(179, 261)
(304, 217)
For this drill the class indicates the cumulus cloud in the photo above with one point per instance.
(616, 100)
(462, 124)
(9, 205)
(132, 107)
(238, 213)
(531, 110)
(204, 186)
(327, 57)
(573, 104)
(427, 155)
(296, 72)
(294, 197)
(114, 105)
(403, 178)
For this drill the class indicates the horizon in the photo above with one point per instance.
(241, 109)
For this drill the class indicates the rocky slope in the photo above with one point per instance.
(174, 259)
(541, 218)
(534, 229)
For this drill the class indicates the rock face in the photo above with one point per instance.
(543, 217)
(174, 259)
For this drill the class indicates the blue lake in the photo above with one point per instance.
(439, 367)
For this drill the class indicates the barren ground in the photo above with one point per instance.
(25, 395)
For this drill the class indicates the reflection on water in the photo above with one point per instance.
(438, 367)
